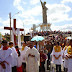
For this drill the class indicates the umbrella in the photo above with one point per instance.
(68, 38)
(37, 38)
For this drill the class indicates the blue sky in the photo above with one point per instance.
(30, 12)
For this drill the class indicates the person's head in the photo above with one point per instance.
(71, 42)
(16, 47)
(41, 51)
(10, 44)
(34, 42)
(4, 43)
(57, 43)
(50, 43)
(24, 44)
(47, 42)
(44, 2)
(31, 45)
(45, 47)
(27, 43)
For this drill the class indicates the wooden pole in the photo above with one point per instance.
(14, 20)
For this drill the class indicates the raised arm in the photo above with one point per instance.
(41, 1)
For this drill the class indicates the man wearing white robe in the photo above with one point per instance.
(65, 59)
(69, 55)
(5, 58)
(32, 58)
(23, 52)
(57, 56)
(14, 57)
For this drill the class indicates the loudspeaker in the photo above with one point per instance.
(27, 38)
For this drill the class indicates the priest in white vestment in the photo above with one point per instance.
(32, 58)
(69, 55)
(65, 59)
(57, 56)
(23, 52)
(5, 58)
(14, 57)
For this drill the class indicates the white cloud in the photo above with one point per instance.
(31, 21)
(65, 1)
(33, 2)
(58, 13)
(66, 27)
(24, 2)
(26, 30)
(35, 11)
(4, 23)
(29, 15)
(20, 8)
(16, 2)
(58, 8)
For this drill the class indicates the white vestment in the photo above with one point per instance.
(16, 32)
(69, 62)
(6, 55)
(32, 62)
(57, 61)
(65, 60)
(69, 65)
(14, 57)
(23, 54)
(38, 46)
(1, 47)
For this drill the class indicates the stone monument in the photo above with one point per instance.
(45, 26)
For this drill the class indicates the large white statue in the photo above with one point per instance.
(44, 12)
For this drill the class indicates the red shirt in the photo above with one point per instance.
(5, 48)
(42, 58)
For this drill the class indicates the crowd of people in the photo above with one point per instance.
(46, 33)
(33, 55)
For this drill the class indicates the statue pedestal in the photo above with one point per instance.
(45, 27)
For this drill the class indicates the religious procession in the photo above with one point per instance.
(51, 54)
(36, 51)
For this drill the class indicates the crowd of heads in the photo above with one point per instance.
(46, 33)
(59, 39)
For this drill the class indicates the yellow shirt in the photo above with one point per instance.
(10, 46)
(69, 51)
(57, 48)
(23, 48)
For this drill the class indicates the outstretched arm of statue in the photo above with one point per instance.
(41, 1)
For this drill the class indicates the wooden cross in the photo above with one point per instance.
(10, 28)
